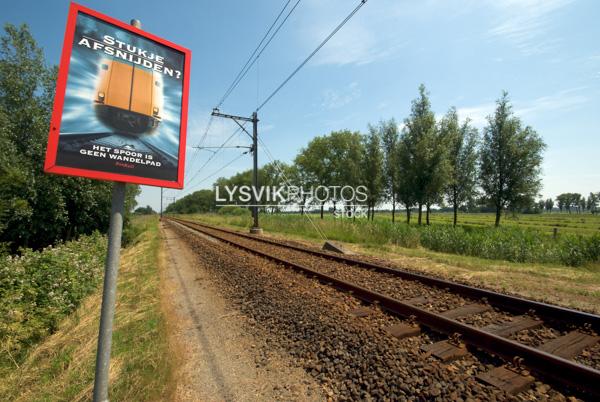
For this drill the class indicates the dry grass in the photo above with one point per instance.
(61, 368)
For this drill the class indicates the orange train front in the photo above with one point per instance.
(128, 98)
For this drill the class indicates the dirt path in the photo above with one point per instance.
(214, 358)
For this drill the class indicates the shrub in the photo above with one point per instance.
(233, 211)
(39, 288)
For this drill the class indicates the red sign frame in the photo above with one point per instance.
(50, 165)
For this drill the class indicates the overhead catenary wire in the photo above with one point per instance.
(252, 59)
(239, 77)
(190, 165)
(241, 74)
(219, 148)
(213, 156)
(222, 167)
(310, 56)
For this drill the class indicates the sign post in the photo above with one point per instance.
(120, 114)
(109, 293)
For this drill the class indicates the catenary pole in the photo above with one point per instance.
(254, 119)
(109, 292)
(255, 226)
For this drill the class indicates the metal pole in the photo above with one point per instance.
(161, 199)
(109, 294)
(255, 227)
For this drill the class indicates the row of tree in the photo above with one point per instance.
(572, 201)
(429, 163)
(36, 209)
(425, 163)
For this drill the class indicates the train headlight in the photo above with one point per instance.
(101, 96)
(155, 111)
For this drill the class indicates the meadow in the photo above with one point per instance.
(583, 224)
(520, 238)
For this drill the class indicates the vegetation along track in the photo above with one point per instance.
(544, 338)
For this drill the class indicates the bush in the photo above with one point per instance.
(39, 288)
(234, 211)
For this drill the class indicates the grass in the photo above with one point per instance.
(61, 368)
(549, 282)
(509, 242)
(584, 224)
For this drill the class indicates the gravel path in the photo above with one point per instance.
(215, 359)
(352, 358)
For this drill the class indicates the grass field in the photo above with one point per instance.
(521, 239)
(584, 224)
(61, 367)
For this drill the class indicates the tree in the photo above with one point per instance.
(569, 201)
(423, 155)
(462, 158)
(549, 204)
(147, 210)
(36, 209)
(511, 158)
(582, 204)
(388, 131)
(406, 182)
(372, 170)
(332, 160)
(592, 202)
(540, 206)
(345, 152)
(561, 201)
(197, 202)
(314, 166)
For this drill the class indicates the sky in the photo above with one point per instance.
(545, 53)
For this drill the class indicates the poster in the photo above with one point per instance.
(120, 109)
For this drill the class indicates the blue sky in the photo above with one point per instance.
(545, 53)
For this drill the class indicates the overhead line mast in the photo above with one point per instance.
(255, 229)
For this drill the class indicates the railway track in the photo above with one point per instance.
(448, 308)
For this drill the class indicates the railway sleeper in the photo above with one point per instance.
(507, 378)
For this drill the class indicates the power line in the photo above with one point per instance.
(249, 64)
(199, 144)
(235, 82)
(213, 155)
(222, 167)
(362, 3)
(253, 53)
(242, 73)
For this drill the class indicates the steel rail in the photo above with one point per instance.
(507, 302)
(561, 370)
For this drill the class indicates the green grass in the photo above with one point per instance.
(61, 368)
(510, 242)
(584, 224)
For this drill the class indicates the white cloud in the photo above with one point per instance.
(335, 99)
(370, 36)
(564, 100)
(526, 23)
(477, 114)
